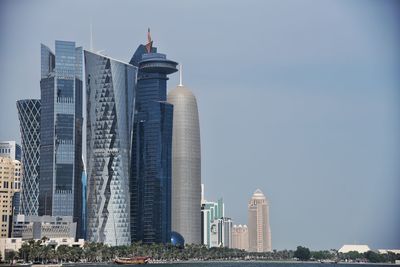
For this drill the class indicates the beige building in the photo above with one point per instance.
(10, 183)
(258, 224)
(186, 165)
(240, 237)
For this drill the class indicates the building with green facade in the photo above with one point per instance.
(210, 213)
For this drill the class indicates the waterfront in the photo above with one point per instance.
(251, 264)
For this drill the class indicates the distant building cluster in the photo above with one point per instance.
(108, 156)
(219, 231)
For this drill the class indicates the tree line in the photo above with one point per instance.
(37, 251)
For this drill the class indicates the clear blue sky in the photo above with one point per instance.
(297, 98)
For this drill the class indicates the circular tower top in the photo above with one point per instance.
(157, 63)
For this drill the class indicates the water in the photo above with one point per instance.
(249, 264)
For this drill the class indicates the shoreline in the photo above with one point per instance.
(234, 261)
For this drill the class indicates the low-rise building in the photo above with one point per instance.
(240, 237)
(14, 244)
(9, 244)
(37, 227)
(386, 251)
(357, 248)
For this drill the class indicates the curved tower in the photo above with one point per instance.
(110, 90)
(186, 165)
(29, 119)
(258, 224)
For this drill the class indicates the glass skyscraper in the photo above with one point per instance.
(29, 118)
(60, 186)
(151, 148)
(110, 91)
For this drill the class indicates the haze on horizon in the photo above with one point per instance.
(297, 98)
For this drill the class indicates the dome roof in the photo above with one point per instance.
(258, 194)
(180, 90)
(177, 239)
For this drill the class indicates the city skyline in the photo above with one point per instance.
(314, 121)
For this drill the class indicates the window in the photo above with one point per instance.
(4, 218)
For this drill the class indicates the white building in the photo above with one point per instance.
(9, 244)
(221, 233)
(386, 251)
(37, 227)
(14, 244)
(357, 248)
(210, 212)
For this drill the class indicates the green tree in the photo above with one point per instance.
(302, 253)
(374, 257)
(351, 255)
(10, 256)
(322, 255)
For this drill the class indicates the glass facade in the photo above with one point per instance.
(60, 186)
(29, 118)
(110, 91)
(151, 149)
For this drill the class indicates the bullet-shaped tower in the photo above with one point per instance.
(186, 165)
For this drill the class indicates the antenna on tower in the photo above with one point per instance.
(91, 37)
(149, 44)
(180, 75)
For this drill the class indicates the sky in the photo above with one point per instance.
(297, 98)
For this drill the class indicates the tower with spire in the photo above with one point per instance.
(186, 164)
(258, 224)
(150, 179)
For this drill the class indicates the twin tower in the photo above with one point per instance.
(142, 152)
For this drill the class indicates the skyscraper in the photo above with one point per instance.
(211, 212)
(10, 178)
(258, 224)
(151, 148)
(29, 119)
(60, 185)
(186, 165)
(110, 91)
